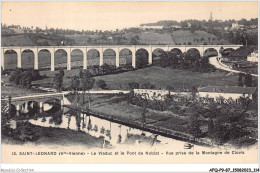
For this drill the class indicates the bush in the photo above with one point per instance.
(35, 74)
(101, 84)
(133, 85)
(147, 85)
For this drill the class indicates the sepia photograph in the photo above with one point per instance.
(129, 82)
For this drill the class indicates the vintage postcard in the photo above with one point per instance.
(129, 82)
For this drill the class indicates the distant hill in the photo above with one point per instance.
(162, 23)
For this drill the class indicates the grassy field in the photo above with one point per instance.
(161, 77)
(15, 92)
(181, 36)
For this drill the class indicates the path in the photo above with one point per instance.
(67, 92)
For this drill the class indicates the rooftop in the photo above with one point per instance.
(228, 89)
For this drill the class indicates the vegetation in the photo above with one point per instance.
(23, 78)
(102, 84)
(58, 80)
(225, 122)
(190, 60)
(87, 84)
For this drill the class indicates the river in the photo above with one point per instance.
(117, 134)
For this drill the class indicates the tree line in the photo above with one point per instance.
(190, 60)
(23, 78)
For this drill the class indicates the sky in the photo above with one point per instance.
(119, 15)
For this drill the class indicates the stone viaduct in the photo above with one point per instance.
(101, 49)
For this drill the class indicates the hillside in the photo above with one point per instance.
(16, 40)
(198, 37)
(182, 37)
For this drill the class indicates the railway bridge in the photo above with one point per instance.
(116, 48)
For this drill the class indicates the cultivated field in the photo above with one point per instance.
(82, 39)
(155, 38)
(185, 36)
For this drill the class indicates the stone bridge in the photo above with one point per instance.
(116, 48)
(41, 99)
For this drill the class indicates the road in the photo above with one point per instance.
(67, 92)
(215, 62)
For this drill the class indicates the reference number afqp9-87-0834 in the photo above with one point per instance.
(234, 170)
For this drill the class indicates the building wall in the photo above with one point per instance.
(151, 94)
(234, 96)
(253, 57)
(160, 94)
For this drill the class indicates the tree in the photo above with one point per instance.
(87, 83)
(194, 125)
(28, 79)
(184, 24)
(141, 58)
(133, 85)
(57, 81)
(80, 73)
(17, 79)
(61, 72)
(35, 74)
(105, 69)
(193, 28)
(143, 115)
(240, 79)
(133, 41)
(164, 60)
(101, 84)
(147, 85)
(75, 84)
(218, 132)
(248, 80)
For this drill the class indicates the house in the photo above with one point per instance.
(253, 57)
(237, 26)
(226, 28)
(151, 27)
(227, 92)
(176, 26)
(253, 26)
(234, 25)
(17, 30)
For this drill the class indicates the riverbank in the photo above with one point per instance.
(46, 136)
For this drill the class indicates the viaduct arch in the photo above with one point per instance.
(101, 49)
